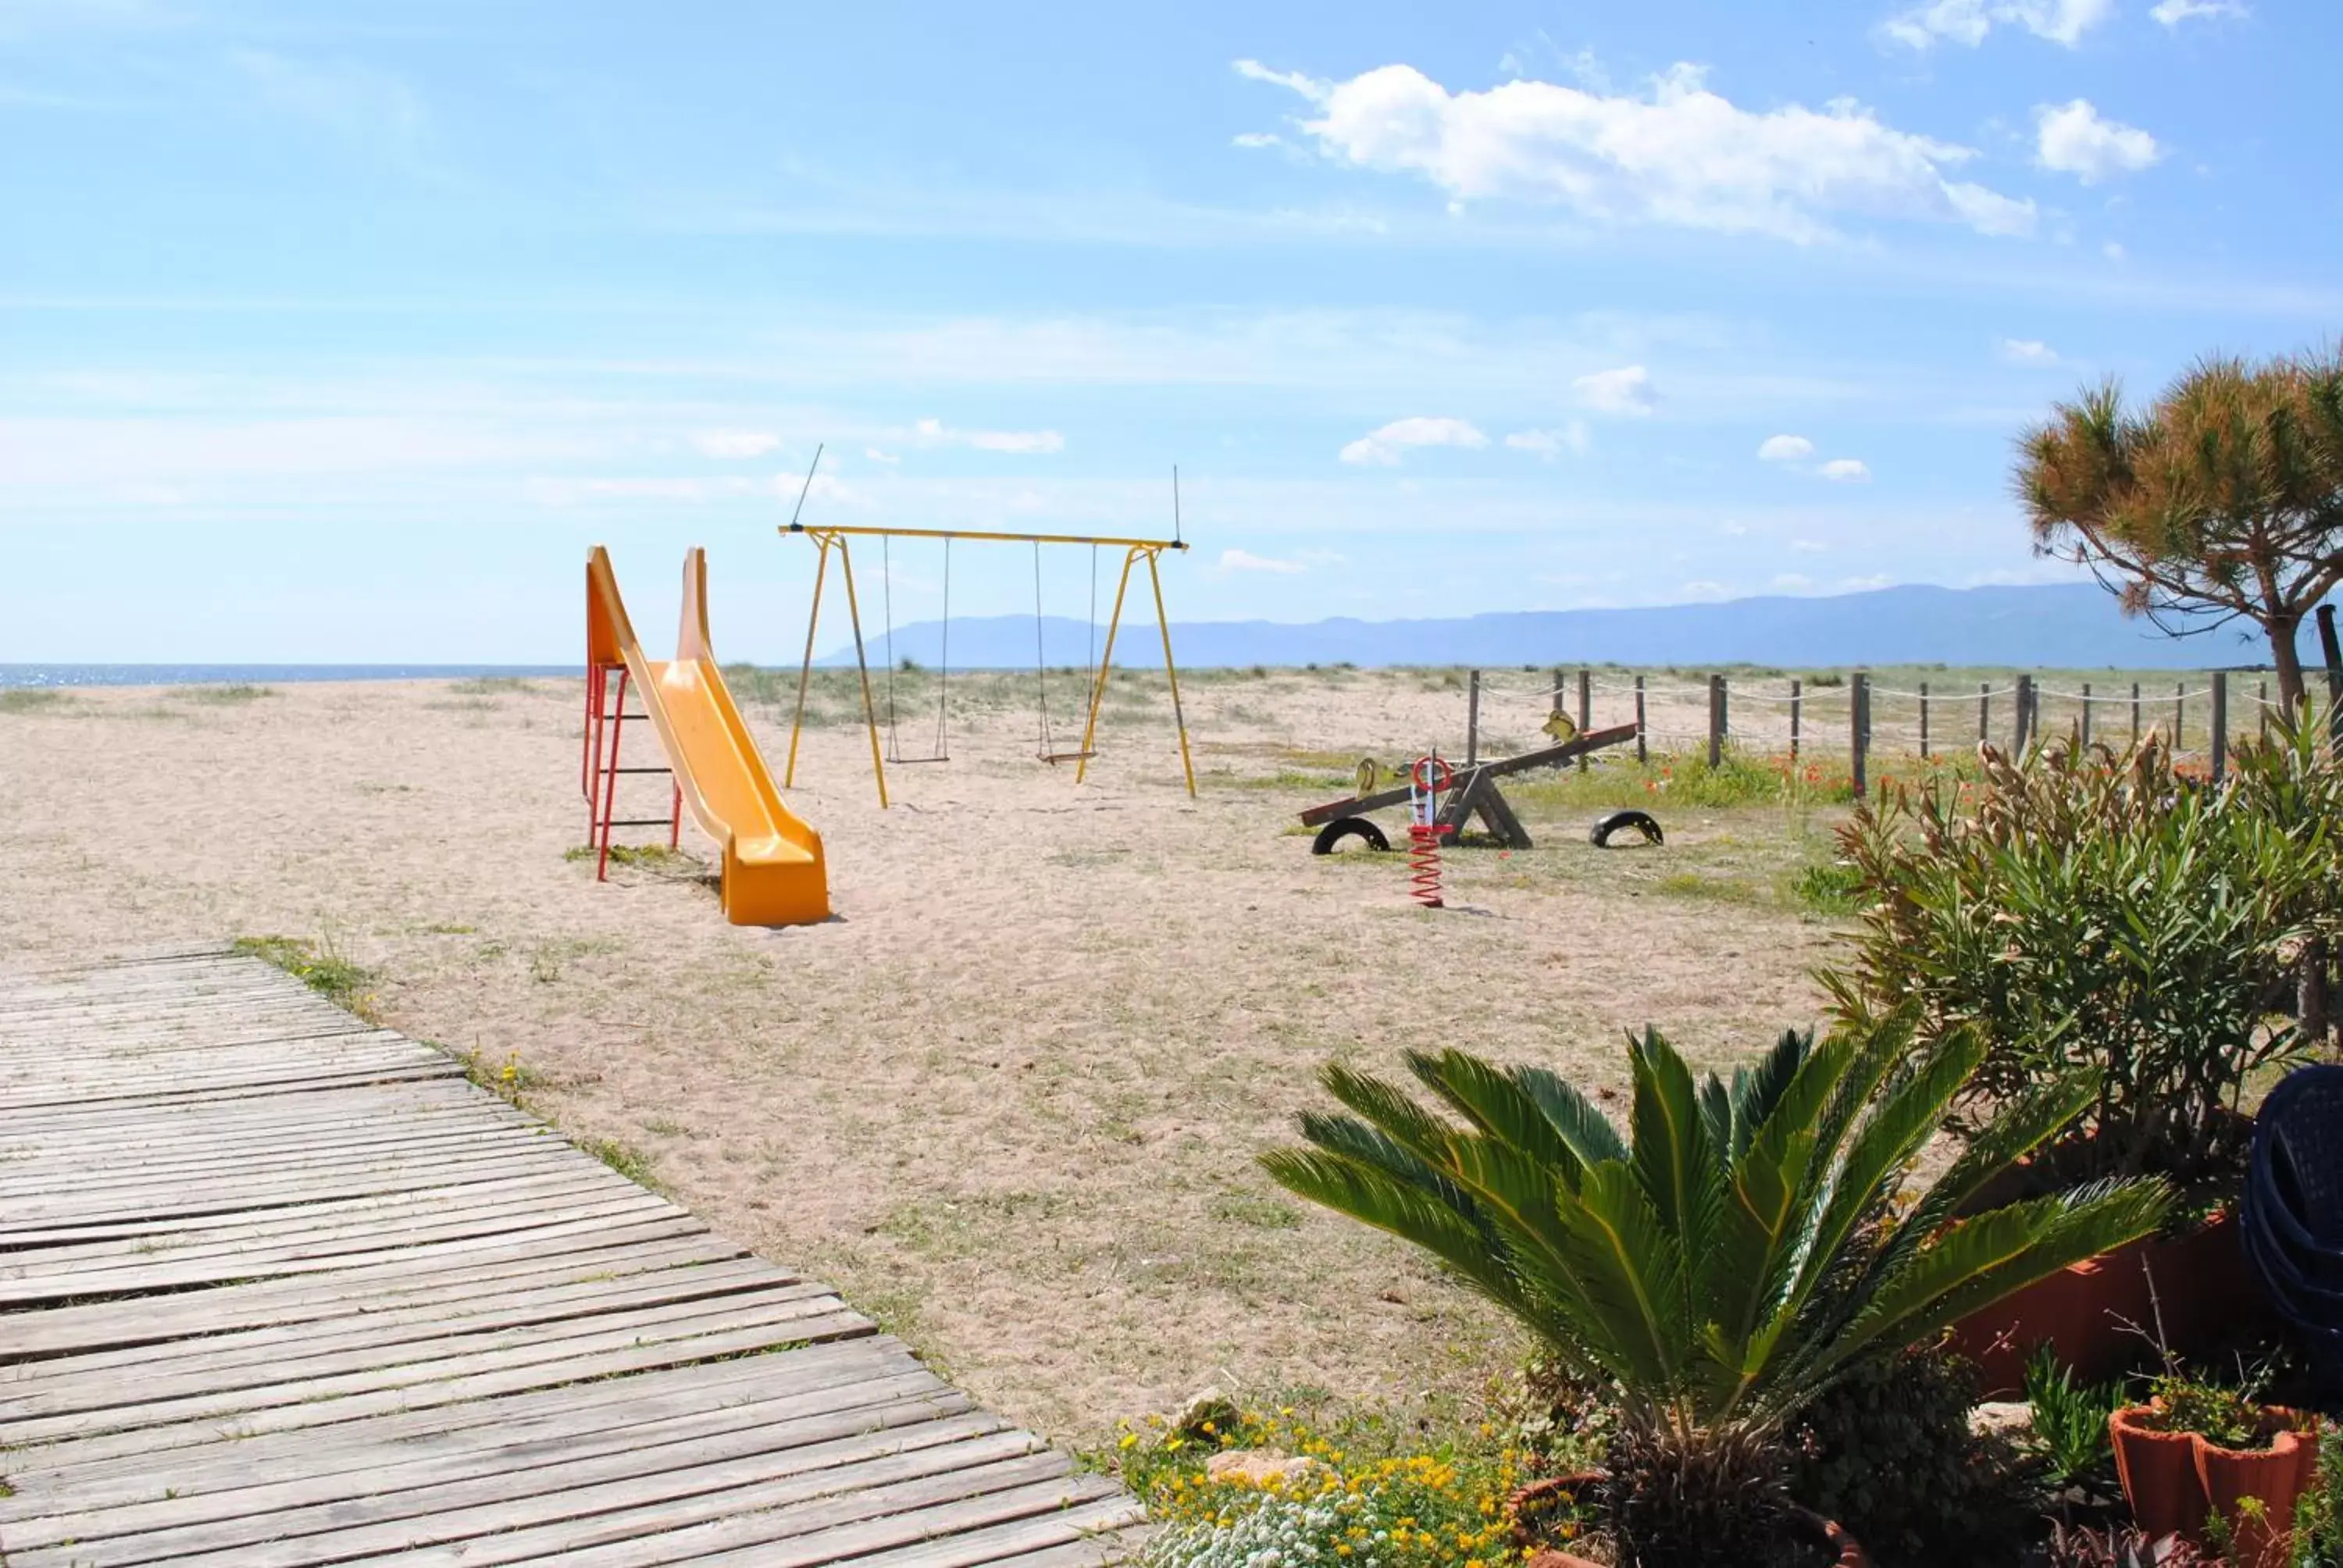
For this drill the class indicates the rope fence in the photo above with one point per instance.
(1849, 717)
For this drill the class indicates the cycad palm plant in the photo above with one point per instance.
(1746, 1246)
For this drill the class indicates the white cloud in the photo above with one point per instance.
(1703, 588)
(1257, 140)
(2073, 139)
(2114, 251)
(1811, 546)
(1385, 446)
(735, 443)
(934, 433)
(2172, 13)
(876, 456)
(1681, 156)
(1571, 438)
(1970, 21)
(1865, 584)
(1792, 581)
(1246, 561)
(1846, 470)
(1626, 390)
(2025, 351)
(1786, 449)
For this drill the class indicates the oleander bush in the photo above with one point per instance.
(2107, 914)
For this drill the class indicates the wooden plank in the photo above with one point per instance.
(534, 1318)
(151, 1442)
(1098, 1533)
(147, 1319)
(793, 1378)
(1548, 757)
(380, 1467)
(765, 1516)
(36, 1409)
(458, 1507)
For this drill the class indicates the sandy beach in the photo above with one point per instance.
(1006, 1102)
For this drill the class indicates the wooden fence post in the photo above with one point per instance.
(2022, 727)
(2220, 724)
(2087, 713)
(1586, 705)
(1715, 721)
(2180, 713)
(1984, 711)
(2134, 713)
(1642, 752)
(1924, 721)
(1859, 729)
(1797, 689)
(1472, 719)
(2261, 709)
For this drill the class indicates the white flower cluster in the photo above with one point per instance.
(1278, 1533)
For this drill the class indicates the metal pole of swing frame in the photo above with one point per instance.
(1172, 674)
(1643, 749)
(1798, 706)
(805, 670)
(1106, 662)
(861, 663)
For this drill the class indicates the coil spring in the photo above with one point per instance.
(1424, 864)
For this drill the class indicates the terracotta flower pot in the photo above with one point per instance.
(2203, 1294)
(2277, 1475)
(2159, 1470)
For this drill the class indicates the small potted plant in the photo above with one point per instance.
(2201, 1452)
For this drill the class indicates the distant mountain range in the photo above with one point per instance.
(2054, 627)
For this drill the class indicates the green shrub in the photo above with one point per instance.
(2318, 1513)
(2101, 913)
(2070, 1422)
(1833, 887)
(1889, 1454)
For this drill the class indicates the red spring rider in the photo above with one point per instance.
(1426, 781)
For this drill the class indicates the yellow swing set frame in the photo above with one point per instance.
(1136, 551)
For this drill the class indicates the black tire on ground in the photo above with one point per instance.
(1611, 822)
(1330, 838)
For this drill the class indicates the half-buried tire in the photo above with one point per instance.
(1330, 838)
(1611, 822)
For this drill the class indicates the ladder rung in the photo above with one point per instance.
(639, 822)
(637, 770)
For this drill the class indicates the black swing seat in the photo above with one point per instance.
(1054, 757)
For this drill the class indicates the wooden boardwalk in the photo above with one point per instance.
(279, 1288)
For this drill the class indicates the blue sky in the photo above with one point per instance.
(339, 332)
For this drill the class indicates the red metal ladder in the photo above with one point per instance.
(598, 774)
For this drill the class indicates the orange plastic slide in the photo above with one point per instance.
(773, 870)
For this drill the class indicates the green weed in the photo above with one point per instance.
(321, 966)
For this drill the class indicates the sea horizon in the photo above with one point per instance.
(66, 673)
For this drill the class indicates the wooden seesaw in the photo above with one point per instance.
(1472, 792)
